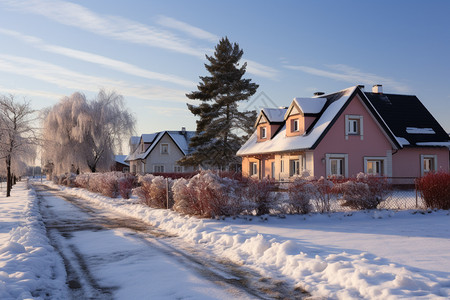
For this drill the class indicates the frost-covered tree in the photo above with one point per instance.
(84, 135)
(17, 138)
(218, 134)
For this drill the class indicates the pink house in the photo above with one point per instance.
(344, 133)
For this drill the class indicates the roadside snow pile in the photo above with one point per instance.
(336, 265)
(29, 266)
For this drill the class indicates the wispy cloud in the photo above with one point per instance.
(27, 92)
(126, 30)
(98, 59)
(261, 70)
(351, 75)
(168, 111)
(115, 27)
(187, 28)
(73, 80)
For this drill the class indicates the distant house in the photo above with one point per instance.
(159, 152)
(120, 164)
(344, 133)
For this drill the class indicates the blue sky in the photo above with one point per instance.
(152, 52)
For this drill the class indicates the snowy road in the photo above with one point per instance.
(111, 256)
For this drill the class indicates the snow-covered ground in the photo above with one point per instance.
(29, 266)
(348, 255)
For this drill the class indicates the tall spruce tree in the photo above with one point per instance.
(221, 124)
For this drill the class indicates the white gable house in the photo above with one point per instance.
(159, 152)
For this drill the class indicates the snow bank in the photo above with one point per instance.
(323, 272)
(29, 267)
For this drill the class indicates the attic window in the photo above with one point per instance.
(164, 148)
(263, 133)
(295, 125)
(353, 125)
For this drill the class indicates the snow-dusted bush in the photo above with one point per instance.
(142, 191)
(300, 192)
(126, 184)
(95, 182)
(364, 192)
(184, 197)
(153, 191)
(109, 186)
(206, 194)
(259, 195)
(67, 179)
(82, 180)
(435, 190)
(323, 193)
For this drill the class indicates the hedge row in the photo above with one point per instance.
(209, 193)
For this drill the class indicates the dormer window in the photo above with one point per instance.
(295, 126)
(263, 133)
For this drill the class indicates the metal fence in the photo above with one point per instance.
(403, 195)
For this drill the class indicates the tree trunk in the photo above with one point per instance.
(8, 177)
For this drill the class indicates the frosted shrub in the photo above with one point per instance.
(435, 190)
(67, 179)
(82, 181)
(143, 191)
(126, 184)
(259, 193)
(206, 194)
(366, 192)
(108, 185)
(158, 192)
(184, 197)
(356, 194)
(300, 192)
(153, 191)
(323, 193)
(94, 184)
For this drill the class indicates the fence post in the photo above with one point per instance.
(416, 196)
(167, 192)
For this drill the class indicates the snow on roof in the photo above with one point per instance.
(436, 144)
(274, 114)
(134, 140)
(310, 105)
(402, 141)
(415, 130)
(181, 140)
(281, 142)
(121, 159)
(148, 138)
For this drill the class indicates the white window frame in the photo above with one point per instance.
(263, 132)
(381, 159)
(294, 167)
(272, 169)
(161, 147)
(161, 168)
(178, 169)
(331, 156)
(281, 166)
(350, 119)
(424, 157)
(253, 168)
(296, 125)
